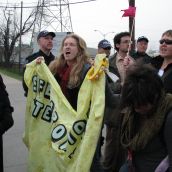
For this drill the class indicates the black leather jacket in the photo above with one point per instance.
(32, 57)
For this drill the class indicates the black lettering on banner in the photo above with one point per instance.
(63, 146)
(79, 126)
(34, 81)
(58, 133)
(38, 106)
(41, 85)
(38, 84)
(55, 116)
(47, 91)
(71, 139)
(71, 155)
(47, 114)
(87, 114)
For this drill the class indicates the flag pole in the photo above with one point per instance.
(132, 25)
(131, 36)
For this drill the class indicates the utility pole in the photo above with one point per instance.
(42, 13)
(21, 16)
(132, 24)
(61, 20)
(55, 15)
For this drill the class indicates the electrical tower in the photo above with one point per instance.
(53, 15)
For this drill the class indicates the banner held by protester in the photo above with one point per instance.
(60, 139)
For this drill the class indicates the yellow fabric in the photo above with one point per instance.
(94, 73)
(60, 139)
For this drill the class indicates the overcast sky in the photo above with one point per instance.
(153, 17)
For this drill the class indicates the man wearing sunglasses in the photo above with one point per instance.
(163, 62)
(104, 47)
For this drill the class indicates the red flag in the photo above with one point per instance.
(130, 12)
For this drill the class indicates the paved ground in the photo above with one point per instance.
(15, 153)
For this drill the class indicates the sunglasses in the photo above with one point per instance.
(167, 41)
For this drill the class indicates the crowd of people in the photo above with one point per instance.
(139, 122)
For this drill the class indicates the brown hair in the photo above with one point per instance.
(168, 33)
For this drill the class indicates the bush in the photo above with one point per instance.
(12, 72)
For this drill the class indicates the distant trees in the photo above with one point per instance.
(10, 31)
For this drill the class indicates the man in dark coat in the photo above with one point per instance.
(6, 120)
(104, 47)
(114, 154)
(140, 54)
(45, 42)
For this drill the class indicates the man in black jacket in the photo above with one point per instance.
(45, 42)
(141, 55)
(104, 47)
(114, 154)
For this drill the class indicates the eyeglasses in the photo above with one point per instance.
(126, 42)
(107, 48)
(167, 41)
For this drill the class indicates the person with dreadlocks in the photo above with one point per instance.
(147, 121)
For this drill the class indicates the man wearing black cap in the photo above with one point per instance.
(104, 47)
(140, 55)
(45, 42)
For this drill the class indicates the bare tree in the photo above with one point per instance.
(10, 36)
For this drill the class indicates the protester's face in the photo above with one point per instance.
(46, 43)
(124, 44)
(165, 48)
(142, 46)
(105, 51)
(70, 50)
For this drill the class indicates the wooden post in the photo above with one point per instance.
(21, 16)
(131, 22)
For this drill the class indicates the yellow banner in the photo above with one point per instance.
(60, 139)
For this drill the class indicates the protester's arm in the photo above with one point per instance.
(168, 81)
(24, 84)
(111, 99)
(111, 107)
(6, 119)
(115, 87)
(38, 61)
(168, 137)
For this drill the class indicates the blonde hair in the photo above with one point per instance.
(168, 33)
(81, 58)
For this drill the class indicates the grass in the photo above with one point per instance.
(11, 72)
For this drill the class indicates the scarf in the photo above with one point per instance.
(64, 74)
(147, 129)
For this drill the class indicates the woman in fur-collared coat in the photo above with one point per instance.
(6, 120)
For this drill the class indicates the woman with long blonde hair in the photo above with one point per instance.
(70, 69)
(71, 66)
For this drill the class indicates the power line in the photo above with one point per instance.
(72, 3)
